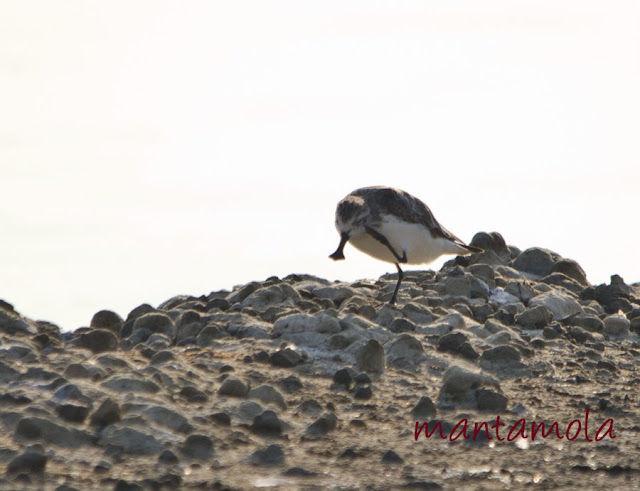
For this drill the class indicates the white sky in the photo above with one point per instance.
(151, 148)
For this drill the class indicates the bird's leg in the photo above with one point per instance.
(383, 240)
(394, 297)
(339, 254)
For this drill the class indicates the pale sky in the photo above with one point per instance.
(154, 148)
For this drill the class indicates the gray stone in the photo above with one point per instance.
(269, 456)
(12, 324)
(520, 290)
(35, 427)
(616, 325)
(405, 350)
(501, 354)
(285, 358)
(155, 322)
(106, 319)
(489, 400)
(234, 387)
(84, 370)
(322, 425)
(243, 292)
(492, 241)
(370, 358)
(193, 394)
(268, 394)
(32, 461)
(534, 317)
(307, 329)
(97, 341)
(591, 323)
(108, 413)
(337, 294)
(199, 447)
(401, 325)
(536, 261)
(572, 269)
(127, 384)
(460, 385)
(424, 410)
(74, 413)
(274, 295)
(390, 457)
(267, 424)
(7, 373)
(169, 418)
(579, 335)
(131, 441)
(561, 305)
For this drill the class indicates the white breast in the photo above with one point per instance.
(415, 240)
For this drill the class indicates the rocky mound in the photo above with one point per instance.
(302, 383)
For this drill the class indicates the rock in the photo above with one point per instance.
(561, 305)
(343, 377)
(233, 387)
(97, 341)
(72, 412)
(501, 354)
(370, 358)
(269, 456)
(337, 294)
(192, 394)
(588, 322)
(274, 295)
(459, 387)
(221, 418)
(312, 330)
(108, 413)
(425, 410)
(268, 394)
(169, 418)
(363, 393)
(35, 427)
(285, 358)
(534, 317)
(199, 447)
(155, 322)
(162, 357)
(7, 373)
(126, 384)
(405, 350)
(322, 425)
(613, 297)
(11, 323)
(167, 457)
(267, 424)
(131, 441)
(299, 472)
(243, 292)
(106, 319)
(457, 343)
(616, 326)
(492, 242)
(290, 384)
(572, 269)
(310, 406)
(520, 290)
(536, 261)
(401, 325)
(390, 457)
(84, 370)
(579, 335)
(32, 461)
(489, 400)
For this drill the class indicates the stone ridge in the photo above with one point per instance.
(301, 382)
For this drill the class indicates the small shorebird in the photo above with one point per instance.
(393, 226)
